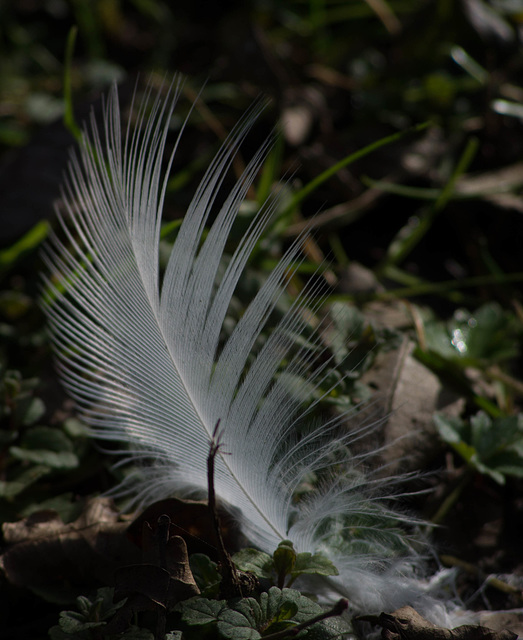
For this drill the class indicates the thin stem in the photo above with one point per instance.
(230, 586)
(336, 610)
(453, 496)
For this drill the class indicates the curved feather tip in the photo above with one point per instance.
(143, 353)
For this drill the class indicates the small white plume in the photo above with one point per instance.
(144, 355)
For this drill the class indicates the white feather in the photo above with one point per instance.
(143, 355)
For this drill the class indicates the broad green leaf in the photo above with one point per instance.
(491, 334)
(241, 621)
(72, 623)
(29, 410)
(75, 428)
(307, 563)
(492, 446)
(90, 614)
(47, 446)
(279, 605)
(201, 611)
(51, 459)
(450, 428)
(257, 562)
(67, 507)
(251, 618)
(205, 574)
(10, 489)
(488, 334)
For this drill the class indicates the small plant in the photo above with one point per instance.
(490, 446)
(285, 565)
(271, 615)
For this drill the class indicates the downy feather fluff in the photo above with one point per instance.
(143, 353)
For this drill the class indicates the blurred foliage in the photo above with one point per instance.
(434, 215)
(492, 447)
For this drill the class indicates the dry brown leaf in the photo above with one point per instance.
(191, 520)
(164, 579)
(58, 559)
(408, 395)
(61, 560)
(164, 585)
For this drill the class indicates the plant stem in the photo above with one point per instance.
(453, 496)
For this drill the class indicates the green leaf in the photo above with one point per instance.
(206, 574)
(251, 618)
(488, 335)
(200, 611)
(66, 505)
(287, 607)
(280, 607)
(90, 614)
(47, 446)
(257, 562)
(47, 438)
(277, 609)
(307, 563)
(491, 336)
(284, 562)
(242, 621)
(72, 623)
(29, 410)
(12, 383)
(450, 428)
(63, 460)
(9, 489)
(509, 464)
(493, 447)
(75, 428)
(284, 559)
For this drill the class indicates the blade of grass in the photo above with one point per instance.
(270, 172)
(462, 191)
(27, 243)
(410, 236)
(69, 119)
(468, 64)
(446, 288)
(305, 191)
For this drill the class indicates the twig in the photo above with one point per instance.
(336, 610)
(231, 585)
(161, 541)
